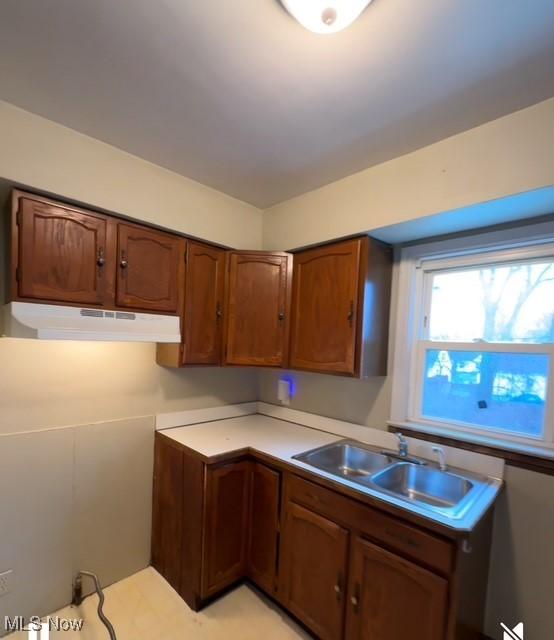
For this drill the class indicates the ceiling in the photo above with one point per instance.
(239, 97)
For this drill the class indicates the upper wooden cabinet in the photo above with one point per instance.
(393, 598)
(204, 299)
(340, 308)
(149, 270)
(60, 254)
(257, 310)
(67, 255)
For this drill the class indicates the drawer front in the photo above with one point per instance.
(421, 546)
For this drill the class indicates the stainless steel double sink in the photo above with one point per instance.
(419, 483)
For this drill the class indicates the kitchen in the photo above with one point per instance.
(310, 310)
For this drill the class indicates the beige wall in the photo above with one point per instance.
(507, 156)
(73, 498)
(48, 157)
(79, 497)
(48, 384)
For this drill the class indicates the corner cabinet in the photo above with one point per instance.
(213, 524)
(226, 520)
(263, 532)
(257, 309)
(340, 308)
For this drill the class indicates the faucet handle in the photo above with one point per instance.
(402, 444)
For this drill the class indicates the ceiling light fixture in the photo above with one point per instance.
(325, 16)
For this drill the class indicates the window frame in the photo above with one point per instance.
(416, 264)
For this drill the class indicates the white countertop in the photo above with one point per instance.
(276, 438)
(282, 440)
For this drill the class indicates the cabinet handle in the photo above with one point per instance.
(101, 260)
(351, 313)
(218, 312)
(338, 587)
(123, 262)
(355, 598)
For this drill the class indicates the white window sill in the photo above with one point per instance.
(539, 451)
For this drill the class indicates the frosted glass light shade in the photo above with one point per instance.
(325, 16)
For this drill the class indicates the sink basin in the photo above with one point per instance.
(417, 484)
(345, 459)
(424, 484)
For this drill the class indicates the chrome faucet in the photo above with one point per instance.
(402, 453)
(442, 457)
(402, 445)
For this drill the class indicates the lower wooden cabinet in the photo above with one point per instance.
(314, 562)
(167, 510)
(392, 598)
(263, 535)
(346, 570)
(226, 507)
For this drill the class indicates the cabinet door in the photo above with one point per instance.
(314, 560)
(226, 528)
(391, 598)
(257, 308)
(167, 514)
(149, 274)
(325, 308)
(264, 524)
(62, 254)
(203, 317)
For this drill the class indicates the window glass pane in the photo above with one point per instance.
(499, 303)
(505, 391)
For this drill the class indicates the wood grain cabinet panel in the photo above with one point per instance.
(62, 254)
(204, 298)
(325, 307)
(340, 308)
(167, 514)
(392, 598)
(258, 294)
(264, 525)
(150, 269)
(226, 526)
(314, 565)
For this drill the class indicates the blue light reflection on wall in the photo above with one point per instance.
(292, 383)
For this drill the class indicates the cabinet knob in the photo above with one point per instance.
(338, 587)
(100, 260)
(282, 314)
(355, 598)
(123, 262)
(350, 315)
(218, 312)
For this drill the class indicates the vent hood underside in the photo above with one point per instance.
(53, 322)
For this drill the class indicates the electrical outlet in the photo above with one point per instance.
(6, 582)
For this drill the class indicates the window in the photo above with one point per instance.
(475, 338)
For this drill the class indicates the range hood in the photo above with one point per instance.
(53, 322)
